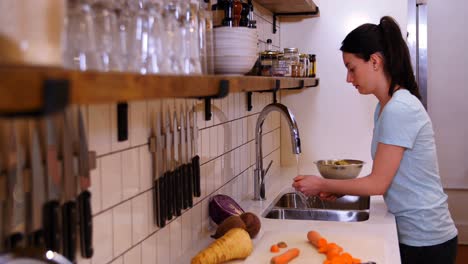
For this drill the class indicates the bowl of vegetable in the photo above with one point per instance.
(339, 169)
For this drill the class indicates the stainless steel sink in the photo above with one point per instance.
(345, 209)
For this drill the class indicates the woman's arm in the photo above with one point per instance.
(386, 163)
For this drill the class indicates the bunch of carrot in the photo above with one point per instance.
(334, 252)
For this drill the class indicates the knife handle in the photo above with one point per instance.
(184, 187)
(168, 194)
(35, 238)
(13, 241)
(196, 176)
(86, 224)
(162, 201)
(69, 230)
(51, 225)
(177, 191)
(189, 169)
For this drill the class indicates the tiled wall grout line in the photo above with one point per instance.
(151, 189)
(173, 219)
(246, 143)
(121, 150)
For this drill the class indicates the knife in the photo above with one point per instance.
(176, 175)
(69, 214)
(188, 148)
(51, 217)
(3, 186)
(156, 145)
(167, 175)
(195, 158)
(182, 159)
(86, 162)
(15, 200)
(38, 184)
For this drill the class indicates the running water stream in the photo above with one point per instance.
(303, 197)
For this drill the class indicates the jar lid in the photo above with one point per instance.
(291, 50)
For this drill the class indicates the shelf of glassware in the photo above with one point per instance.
(29, 88)
(291, 6)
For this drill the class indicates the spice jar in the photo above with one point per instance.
(267, 58)
(280, 66)
(313, 65)
(304, 63)
(291, 56)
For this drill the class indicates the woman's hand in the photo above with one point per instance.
(308, 184)
(329, 196)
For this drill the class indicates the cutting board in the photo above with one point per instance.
(366, 248)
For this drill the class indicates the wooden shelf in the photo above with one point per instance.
(27, 89)
(291, 6)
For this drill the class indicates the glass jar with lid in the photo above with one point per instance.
(280, 66)
(291, 56)
(267, 58)
(304, 65)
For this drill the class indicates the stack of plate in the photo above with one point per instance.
(235, 49)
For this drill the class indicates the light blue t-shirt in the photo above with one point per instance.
(415, 196)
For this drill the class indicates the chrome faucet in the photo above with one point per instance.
(259, 173)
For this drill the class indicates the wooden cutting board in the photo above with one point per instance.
(366, 248)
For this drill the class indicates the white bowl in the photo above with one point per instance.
(234, 64)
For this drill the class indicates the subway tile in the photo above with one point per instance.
(217, 173)
(140, 212)
(163, 245)
(118, 261)
(152, 226)
(99, 128)
(209, 176)
(133, 256)
(196, 220)
(130, 173)
(95, 188)
(187, 230)
(111, 180)
(122, 227)
(205, 145)
(146, 179)
(232, 105)
(102, 231)
(176, 238)
(117, 145)
(221, 144)
(149, 250)
(139, 125)
(206, 224)
(213, 134)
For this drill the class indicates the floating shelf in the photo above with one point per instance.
(291, 6)
(30, 90)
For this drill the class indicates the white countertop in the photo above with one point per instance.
(380, 227)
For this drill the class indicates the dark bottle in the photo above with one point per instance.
(313, 65)
(252, 22)
(244, 21)
(237, 10)
(228, 14)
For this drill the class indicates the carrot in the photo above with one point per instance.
(314, 237)
(274, 248)
(286, 256)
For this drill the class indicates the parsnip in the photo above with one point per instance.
(235, 244)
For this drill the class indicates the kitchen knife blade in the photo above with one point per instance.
(156, 147)
(84, 198)
(51, 216)
(188, 148)
(69, 214)
(195, 157)
(176, 182)
(38, 184)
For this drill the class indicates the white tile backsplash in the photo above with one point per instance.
(122, 227)
(122, 197)
(102, 238)
(149, 250)
(133, 256)
(130, 173)
(111, 180)
(140, 217)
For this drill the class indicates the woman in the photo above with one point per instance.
(405, 168)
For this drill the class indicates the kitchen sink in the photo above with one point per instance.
(345, 209)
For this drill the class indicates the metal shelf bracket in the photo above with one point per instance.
(275, 15)
(222, 92)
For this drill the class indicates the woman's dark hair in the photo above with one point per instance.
(385, 38)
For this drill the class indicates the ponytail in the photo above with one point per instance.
(385, 38)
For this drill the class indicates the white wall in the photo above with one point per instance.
(334, 120)
(447, 93)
